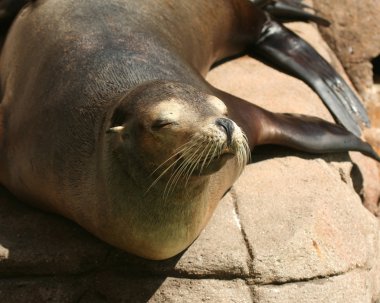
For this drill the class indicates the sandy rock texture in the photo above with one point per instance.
(292, 229)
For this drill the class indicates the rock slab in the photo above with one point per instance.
(292, 229)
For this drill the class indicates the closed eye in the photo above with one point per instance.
(158, 124)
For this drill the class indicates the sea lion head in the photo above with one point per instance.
(174, 131)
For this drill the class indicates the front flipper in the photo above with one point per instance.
(301, 132)
(289, 52)
(313, 135)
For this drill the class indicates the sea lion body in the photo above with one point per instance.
(71, 70)
(64, 66)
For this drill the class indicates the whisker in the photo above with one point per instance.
(194, 166)
(184, 148)
(214, 153)
(178, 171)
(162, 174)
(208, 152)
(197, 154)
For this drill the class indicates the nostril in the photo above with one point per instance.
(227, 126)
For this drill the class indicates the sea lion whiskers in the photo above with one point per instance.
(190, 162)
(213, 150)
(214, 154)
(178, 151)
(207, 155)
(184, 171)
(181, 169)
(208, 148)
(244, 153)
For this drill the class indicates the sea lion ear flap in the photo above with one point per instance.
(115, 130)
(121, 131)
(118, 122)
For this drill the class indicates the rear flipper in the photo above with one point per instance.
(290, 10)
(289, 52)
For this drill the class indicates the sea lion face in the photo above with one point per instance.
(173, 131)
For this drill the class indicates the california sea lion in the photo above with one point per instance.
(106, 118)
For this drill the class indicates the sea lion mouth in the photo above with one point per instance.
(213, 165)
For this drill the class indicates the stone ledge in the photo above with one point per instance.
(46, 258)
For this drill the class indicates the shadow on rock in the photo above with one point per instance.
(44, 257)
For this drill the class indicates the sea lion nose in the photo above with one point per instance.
(227, 126)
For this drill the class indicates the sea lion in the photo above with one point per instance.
(106, 118)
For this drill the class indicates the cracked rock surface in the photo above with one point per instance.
(292, 229)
